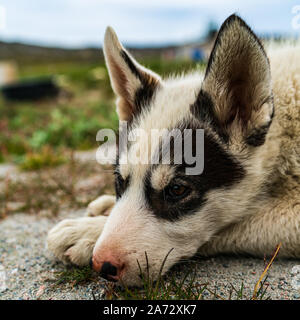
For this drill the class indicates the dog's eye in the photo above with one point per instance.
(177, 191)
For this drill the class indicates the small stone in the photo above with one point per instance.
(15, 206)
(3, 286)
(25, 296)
(14, 271)
(40, 291)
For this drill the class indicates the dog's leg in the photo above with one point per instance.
(101, 206)
(73, 240)
(278, 222)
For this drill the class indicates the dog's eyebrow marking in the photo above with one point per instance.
(161, 176)
(124, 170)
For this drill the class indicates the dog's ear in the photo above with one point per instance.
(237, 83)
(133, 84)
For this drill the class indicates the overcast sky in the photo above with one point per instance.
(79, 23)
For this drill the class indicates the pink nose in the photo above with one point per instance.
(109, 268)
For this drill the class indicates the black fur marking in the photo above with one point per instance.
(225, 25)
(131, 65)
(145, 93)
(258, 136)
(203, 109)
(221, 170)
(143, 97)
(121, 184)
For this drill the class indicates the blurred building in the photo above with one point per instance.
(198, 51)
(8, 72)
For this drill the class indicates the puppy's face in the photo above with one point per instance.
(162, 206)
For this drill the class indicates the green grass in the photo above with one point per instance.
(29, 128)
(74, 275)
(43, 159)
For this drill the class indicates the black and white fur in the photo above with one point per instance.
(247, 198)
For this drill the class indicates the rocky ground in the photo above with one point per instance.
(27, 270)
(30, 271)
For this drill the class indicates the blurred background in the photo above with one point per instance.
(55, 91)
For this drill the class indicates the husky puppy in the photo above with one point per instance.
(247, 199)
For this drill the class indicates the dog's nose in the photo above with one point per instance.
(107, 269)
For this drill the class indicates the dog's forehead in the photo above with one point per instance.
(170, 104)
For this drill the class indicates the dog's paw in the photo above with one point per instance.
(101, 206)
(73, 240)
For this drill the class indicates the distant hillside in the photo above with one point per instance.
(23, 53)
(28, 53)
